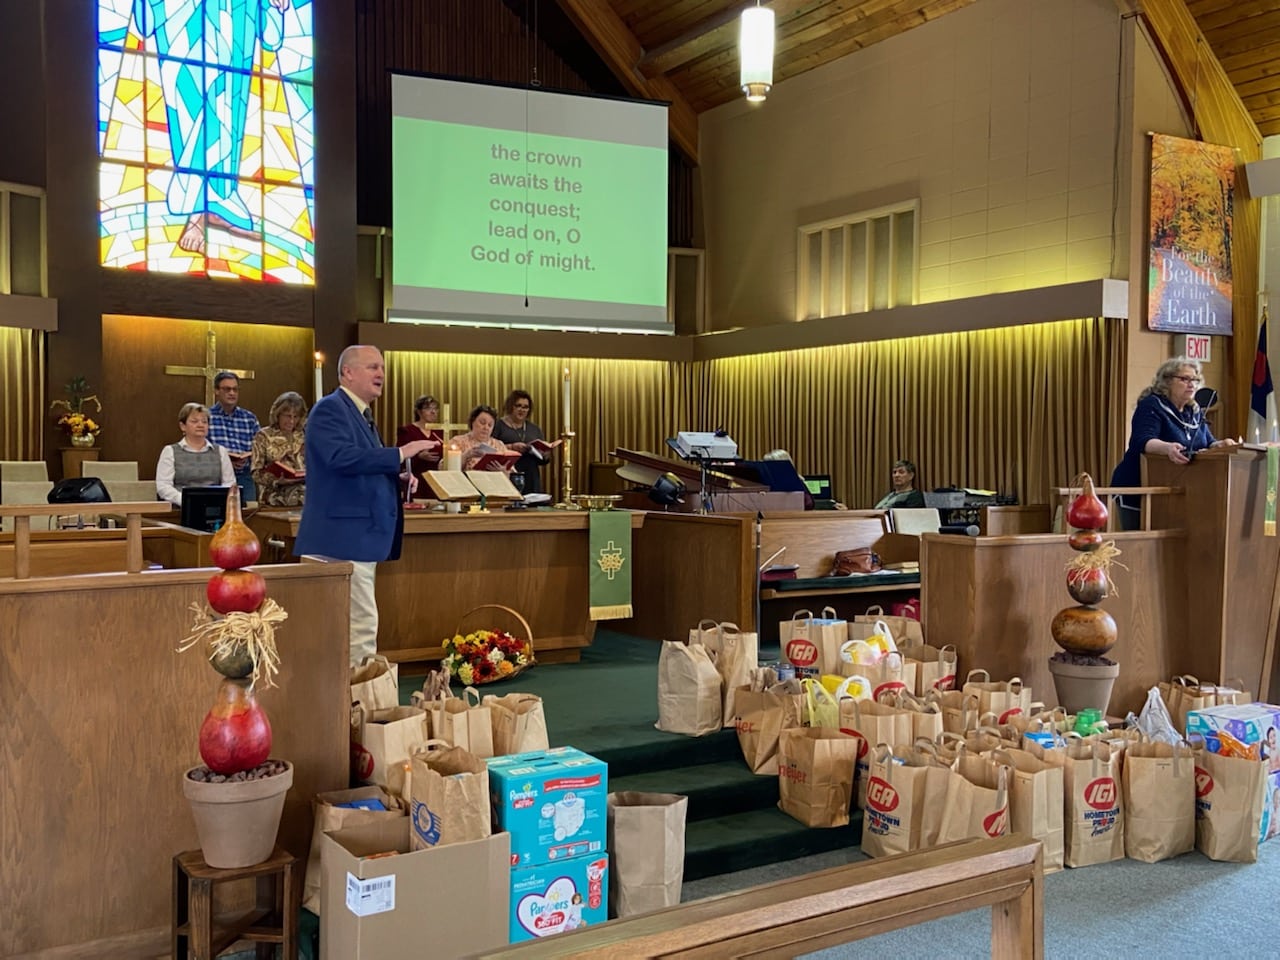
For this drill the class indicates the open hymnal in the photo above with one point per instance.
(451, 485)
(278, 468)
(494, 461)
(542, 449)
(493, 484)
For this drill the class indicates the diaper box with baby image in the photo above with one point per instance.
(552, 802)
(551, 898)
(1249, 731)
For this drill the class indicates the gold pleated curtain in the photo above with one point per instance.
(1019, 410)
(21, 394)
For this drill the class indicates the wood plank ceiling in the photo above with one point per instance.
(686, 50)
(1245, 37)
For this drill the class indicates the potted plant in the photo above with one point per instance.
(1082, 675)
(80, 428)
(237, 794)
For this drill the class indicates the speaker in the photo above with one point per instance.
(79, 490)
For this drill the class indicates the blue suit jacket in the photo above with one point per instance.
(352, 509)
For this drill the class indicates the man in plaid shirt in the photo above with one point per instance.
(233, 427)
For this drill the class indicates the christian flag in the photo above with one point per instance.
(1262, 396)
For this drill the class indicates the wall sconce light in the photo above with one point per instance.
(755, 52)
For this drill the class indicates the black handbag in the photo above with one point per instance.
(79, 490)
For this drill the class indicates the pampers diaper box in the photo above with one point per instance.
(1250, 731)
(552, 802)
(550, 898)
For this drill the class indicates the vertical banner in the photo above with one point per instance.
(1189, 275)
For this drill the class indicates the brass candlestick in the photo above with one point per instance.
(566, 473)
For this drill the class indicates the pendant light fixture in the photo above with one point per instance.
(755, 52)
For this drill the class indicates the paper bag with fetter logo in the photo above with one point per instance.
(1159, 801)
(815, 775)
(1230, 793)
(1093, 813)
(762, 715)
(906, 797)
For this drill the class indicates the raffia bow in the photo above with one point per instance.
(255, 632)
(1100, 559)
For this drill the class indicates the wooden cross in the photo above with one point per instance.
(210, 368)
(447, 428)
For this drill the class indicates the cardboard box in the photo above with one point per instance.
(1251, 730)
(391, 907)
(552, 802)
(551, 898)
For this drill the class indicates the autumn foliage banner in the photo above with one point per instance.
(1189, 276)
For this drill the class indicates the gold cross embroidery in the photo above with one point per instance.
(611, 559)
(210, 368)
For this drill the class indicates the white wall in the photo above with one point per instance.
(1000, 117)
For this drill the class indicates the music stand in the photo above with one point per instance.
(705, 505)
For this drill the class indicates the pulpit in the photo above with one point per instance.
(1230, 568)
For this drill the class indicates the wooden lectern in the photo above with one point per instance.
(1231, 583)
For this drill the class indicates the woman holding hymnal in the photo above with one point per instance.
(426, 410)
(276, 454)
(522, 435)
(480, 449)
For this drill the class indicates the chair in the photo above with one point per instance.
(913, 521)
(22, 471)
(110, 470)
(130, 491)
(26, 492)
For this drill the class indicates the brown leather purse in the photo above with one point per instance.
(862, 560)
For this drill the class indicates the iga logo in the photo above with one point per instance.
(881, 796)
(889, 686)
(997, 824)
(862, 741)
(1204, 782)
(1004, 717)
(1101, 794)
(802, 653)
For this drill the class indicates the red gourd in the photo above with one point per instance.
(236, 734)
(236, 591)
(1087, 512)
(234, 545)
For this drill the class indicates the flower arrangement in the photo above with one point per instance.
(78, 425)
(74, 421)
(484, 656)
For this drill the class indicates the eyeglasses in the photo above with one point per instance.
(520, 406)
(1190, 380)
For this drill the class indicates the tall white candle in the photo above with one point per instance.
(567, 393)
(319, 374)
(453, 458)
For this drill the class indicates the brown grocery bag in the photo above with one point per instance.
(737, 657)
(925, 714)
(1035, 802)
(874, 723)
(646, 851)
(977, 800)
(375, 682)
(689, 700)
(390, 737)
(815, 775)
(906, 797)
(959, 711)
(463, 722)
(1230, 793)
(762, 716)
(1159, 801)
(1004, 698)
(1093, 814)
(1186, 693)
(813, 642)
(449, 796)
(330, 816)
(904, 629)
(519, 723)
(935, 666)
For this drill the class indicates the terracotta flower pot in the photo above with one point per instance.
(237, 821)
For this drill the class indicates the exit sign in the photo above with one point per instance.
(1197, 347)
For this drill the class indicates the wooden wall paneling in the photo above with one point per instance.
(22, 149)
(91, 806)
(141, 414)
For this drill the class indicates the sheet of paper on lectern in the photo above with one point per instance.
(451, 485)
(493, 484)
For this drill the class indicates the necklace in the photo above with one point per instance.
(519, 431)
(1190, 429)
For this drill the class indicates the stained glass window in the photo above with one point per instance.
(206, 138)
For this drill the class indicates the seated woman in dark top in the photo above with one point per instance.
(1166, 421)
(904, 492)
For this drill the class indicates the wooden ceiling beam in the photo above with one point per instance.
(621, 52)
(713, 33)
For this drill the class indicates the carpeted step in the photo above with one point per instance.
(757, 837)
(713, 789)
(630, 750)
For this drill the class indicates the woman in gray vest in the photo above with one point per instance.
(193, 461)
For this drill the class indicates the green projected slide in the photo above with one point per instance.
(527, 215)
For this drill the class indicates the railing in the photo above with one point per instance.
(820, 910)
(132, 513)
(1110, 495)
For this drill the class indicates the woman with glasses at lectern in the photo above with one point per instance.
(1166, 421)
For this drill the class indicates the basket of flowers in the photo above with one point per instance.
(499, 649)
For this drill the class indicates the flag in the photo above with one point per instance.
(1262, 396)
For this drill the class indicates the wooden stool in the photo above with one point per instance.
(274, 919)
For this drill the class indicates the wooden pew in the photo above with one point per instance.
(836, 906)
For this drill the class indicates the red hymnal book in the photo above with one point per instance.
(278, 469)
(541, 448)
(492, 461)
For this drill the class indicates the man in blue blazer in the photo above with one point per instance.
(353, 510)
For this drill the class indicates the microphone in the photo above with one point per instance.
(960, 529)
